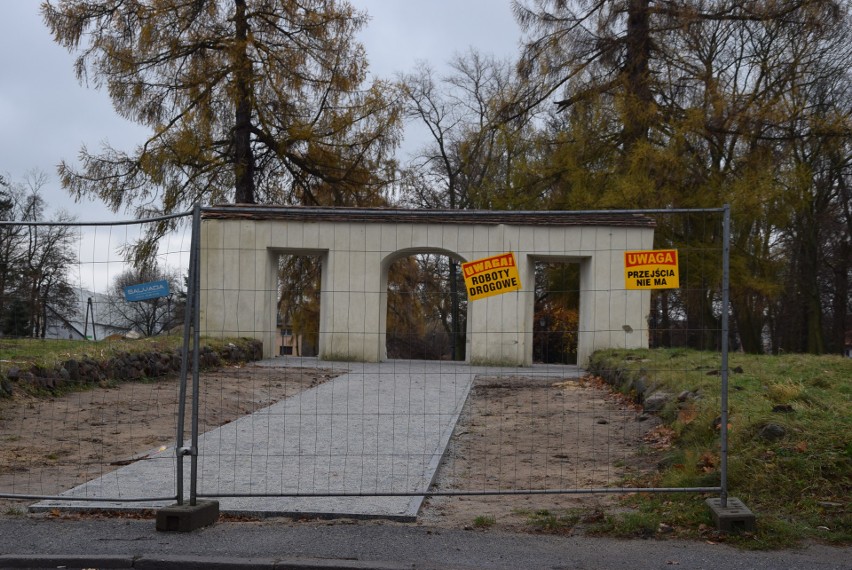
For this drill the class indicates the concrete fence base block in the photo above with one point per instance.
(186, 518)
(734, 517)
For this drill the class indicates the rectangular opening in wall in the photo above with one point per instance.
(298, 307)
(556, 315)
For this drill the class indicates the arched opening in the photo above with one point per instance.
(426, 310)
(556, 315)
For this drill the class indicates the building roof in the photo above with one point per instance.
(619, 218)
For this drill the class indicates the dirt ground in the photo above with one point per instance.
(49, 445)
(532, 434)
(562, 435)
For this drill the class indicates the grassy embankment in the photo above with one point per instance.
(46, 357)
(796, 476)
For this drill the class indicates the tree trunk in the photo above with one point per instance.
(748, 315)
(458, 337)
(458, 340)
(665, 319)
(701, 323)
(841, 301)
(243, 153)
(640, 100)
(809, 287)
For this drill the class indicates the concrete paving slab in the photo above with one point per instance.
(381, 428)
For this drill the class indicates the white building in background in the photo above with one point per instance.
(93, 319)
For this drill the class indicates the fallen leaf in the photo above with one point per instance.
(707, 462)
(687, 414)
(661, 437)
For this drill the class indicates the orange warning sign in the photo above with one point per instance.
(651, 269)
(491, 276)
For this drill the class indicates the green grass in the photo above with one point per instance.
(484, 521)
(40, 352)
(552, 522)
(798, 486)
(641, 524)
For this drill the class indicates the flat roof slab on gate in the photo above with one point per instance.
(380, 428)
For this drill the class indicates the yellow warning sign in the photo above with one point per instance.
(491, 276)
(651, 269)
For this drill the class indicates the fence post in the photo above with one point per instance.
(726, 252)
(195, 268)
(193, 516)
(188, 322)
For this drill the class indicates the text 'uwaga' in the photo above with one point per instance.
(651, 269)
(491, 276)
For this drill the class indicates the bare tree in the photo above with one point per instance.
(35, 260)
(149, 317)
(467, 161)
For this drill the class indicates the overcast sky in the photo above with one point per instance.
(45, 115)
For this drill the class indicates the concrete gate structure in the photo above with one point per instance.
(240, 249)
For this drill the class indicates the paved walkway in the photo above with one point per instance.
(380, 428)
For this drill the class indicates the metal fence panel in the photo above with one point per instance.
(389, 376)
(81, 397)
(387, 380)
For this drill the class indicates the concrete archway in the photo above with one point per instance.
(387, 261)
(240, 245)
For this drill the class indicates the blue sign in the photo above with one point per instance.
(145, 291)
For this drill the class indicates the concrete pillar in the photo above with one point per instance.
(498, 330)
(586, 321)
(351, 298)
(238, 282)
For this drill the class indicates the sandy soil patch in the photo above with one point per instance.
(51, 445)
(538, 434)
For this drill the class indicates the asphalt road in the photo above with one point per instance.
(32, 542)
